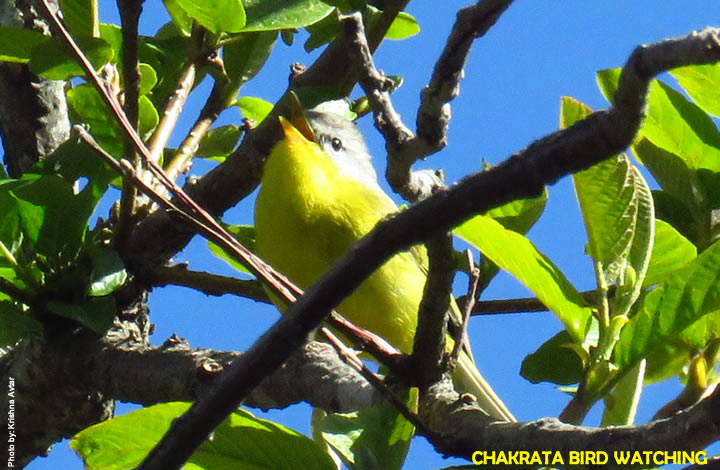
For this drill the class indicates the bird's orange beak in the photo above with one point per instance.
(298, 119)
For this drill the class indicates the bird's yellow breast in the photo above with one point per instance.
(309, 213)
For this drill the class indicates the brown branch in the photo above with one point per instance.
(405, 148)
(427, 361)
(464, 430)
(208, 283)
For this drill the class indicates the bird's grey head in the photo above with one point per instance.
(344, 143)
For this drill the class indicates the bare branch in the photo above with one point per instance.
(405, 148)
(464, 430)
(208, 283)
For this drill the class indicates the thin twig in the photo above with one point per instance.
(209, 283)
(474, 278)
(350, 358)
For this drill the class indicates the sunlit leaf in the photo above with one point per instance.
(671, 251)
(618, 212)
(702, 84)
(245, 234)
(375, 437)
(16, 44)
(622, 401)
(55, 61)
(517, 255)
(554, 362)
(254, 108)
(218, 16)
(273, 15)
(80, 16)
(247, 53)
(242, 441)
(683, 298)
(219, 142)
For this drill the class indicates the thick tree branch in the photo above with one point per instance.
(33, 111)
(464, 430)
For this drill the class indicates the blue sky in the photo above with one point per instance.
(516, 75)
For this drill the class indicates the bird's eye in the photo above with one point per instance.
(337, 144)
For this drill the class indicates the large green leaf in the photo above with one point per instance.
(517, 255)
(254, 108)
(247, 53)
(375, 437)
(242, 441)
(16, 44)
(674, 124)
(702, 84)
(80, 16)
(554, 362)
(54, 218)
(218, 16)
(87, 107)
(617, 208)
(622, 401)
(274, 15)
(55, 61)
(219, 142)
(518, 216)
(685, 296)
(671, 251)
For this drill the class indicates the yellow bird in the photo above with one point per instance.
(316, 200)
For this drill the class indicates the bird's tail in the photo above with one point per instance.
(468, 379)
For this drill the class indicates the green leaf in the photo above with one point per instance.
(148, 116)
(621, 403)
(685, 296)
(148, 79)
(80, 16)
(53, 217)
(554, 362)
(242, 441)
(517, 255)
(518, 216)
(347, 6)
(246, 54)
(617, 209)
(219, 142)
(702, 84)
(375, 437)
(16, 44)
(674, 124)
(273, 15)
(16, 322)
(403, 26)
(322, 32)
(671, 251)
(108, 272)
(217, 16)
(254, 108)
(179, 17)
(167, 56)
(245, 234)
(95, 313)
(55, 61)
